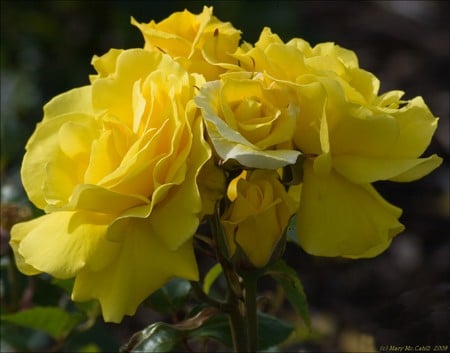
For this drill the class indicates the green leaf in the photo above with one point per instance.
(171, 297)
(272, 331)
(293, 288)
(52, 320)
(158, 337)
(208, 323)
(211, 276)
(216, 327)
(89, 348)
(163, 337)
(14, 338)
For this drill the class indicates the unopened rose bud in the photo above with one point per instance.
(255, 221)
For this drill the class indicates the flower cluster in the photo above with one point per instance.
(196, 123)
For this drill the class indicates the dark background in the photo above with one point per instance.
(398, 298)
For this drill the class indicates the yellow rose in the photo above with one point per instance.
(113, 164)
(348, 135)
(258, 215)
(250, 120)
(358, 145)
(201, 43)
(352, 137)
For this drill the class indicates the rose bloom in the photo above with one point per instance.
(249, 119)
(113, 164)
(201, 43)
(348, 135)
(258, 215)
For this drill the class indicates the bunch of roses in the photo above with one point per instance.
(127, 167)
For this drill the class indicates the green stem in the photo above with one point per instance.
(238, 329)
(250, 283)
(233, 305)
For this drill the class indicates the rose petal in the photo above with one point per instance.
(44, 146)
(62, 243)
(339, 218)
(73, 101)
(229, 144)
(143, 265)
(368, 170)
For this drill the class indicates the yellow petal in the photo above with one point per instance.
(103, 158)
(184, 200)
(258, 216)
(348, 57)
(416, 125)
(220, 40)
(261, 113)
(115, 92)
(18, 232)
(177, 35)
(73, 101)
(422, 168)
(339, 218)
(62, 243)
(105, 65)
(367, 135)
(310, 129)
(263, 230)
(323, 162)
(368, 170)
(390, 99)
(135, 173)
(365, 83)
(44, 147)
(58, 183)
(143, 265)
(267, 38)
(232, 186)
(326, 63)
(97, 199)
(75, 139)
(230, 144)
(284, 62)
